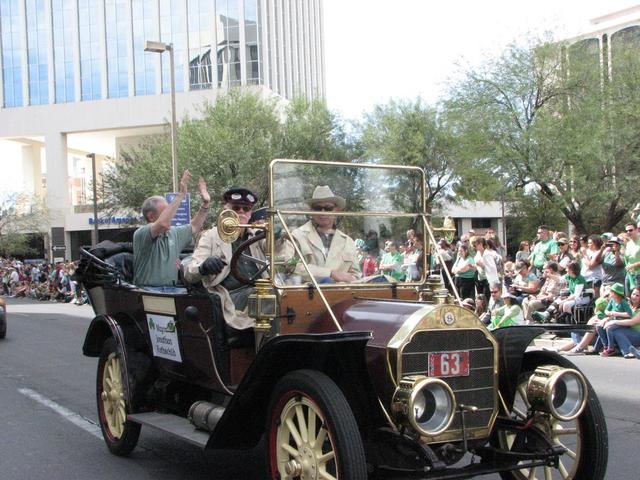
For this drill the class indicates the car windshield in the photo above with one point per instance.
(350, 223)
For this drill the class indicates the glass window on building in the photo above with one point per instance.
(117, 62)
(228, 37)
(252, 40)
(10, 44)
(625, 45)
(173, 19)
(481, 223)
(37, 52)
(200, 73)
(145, 27)
(62, 11)
(90, 85)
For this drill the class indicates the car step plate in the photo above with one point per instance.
(174, 425)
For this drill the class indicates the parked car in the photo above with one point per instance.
(3, 318)
(372, 378)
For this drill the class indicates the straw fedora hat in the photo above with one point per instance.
(324, 194)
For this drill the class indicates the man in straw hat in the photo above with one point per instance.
(330, 253)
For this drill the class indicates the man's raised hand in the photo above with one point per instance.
(202, 188)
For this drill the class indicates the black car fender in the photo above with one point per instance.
(341, 356)
(512, 343)
(120, 326)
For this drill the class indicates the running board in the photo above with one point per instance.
(173, 424)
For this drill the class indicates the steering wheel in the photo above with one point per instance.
(263, 265)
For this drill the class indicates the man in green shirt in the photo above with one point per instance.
(157, 245)
(545, 249)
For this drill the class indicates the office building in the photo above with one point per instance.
(75, 79)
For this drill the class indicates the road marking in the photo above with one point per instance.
(77, 420)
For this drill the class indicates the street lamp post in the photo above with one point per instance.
(160, 47)
(94, 234)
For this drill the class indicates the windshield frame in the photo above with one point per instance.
(280, 214)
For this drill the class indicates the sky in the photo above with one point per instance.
(376, 50)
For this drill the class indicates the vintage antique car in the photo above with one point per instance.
(371, 378)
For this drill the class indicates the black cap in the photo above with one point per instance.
(239, 195)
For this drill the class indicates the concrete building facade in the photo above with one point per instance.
(71, 69)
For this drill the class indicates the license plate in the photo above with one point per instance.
(449, 364)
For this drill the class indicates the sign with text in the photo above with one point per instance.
(164, 337)
(183, 215)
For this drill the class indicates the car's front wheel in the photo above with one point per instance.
(585, 438)
(312, 431)
(120, 435)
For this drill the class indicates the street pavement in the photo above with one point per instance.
(48, 421)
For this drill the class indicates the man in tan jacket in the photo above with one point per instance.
(330, 253)
(212, 256)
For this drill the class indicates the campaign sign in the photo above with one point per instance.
(183, 215)
(164, 337)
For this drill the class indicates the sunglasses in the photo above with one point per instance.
(495, 291)
(241, 208)
(323, 208)
(629, 230)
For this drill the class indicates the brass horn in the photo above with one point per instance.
(228, 226)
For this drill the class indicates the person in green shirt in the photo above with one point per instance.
(391, 261)
(544, 250)
(632, 256)
(507, 315)
(464, 271)
(618, 309)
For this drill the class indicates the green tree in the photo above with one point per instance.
(539, 115)
(230, 143)
(20, 215)
(411, 133)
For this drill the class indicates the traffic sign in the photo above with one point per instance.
(58, 248)
(183, 215)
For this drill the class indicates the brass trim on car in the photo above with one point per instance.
(432, 318)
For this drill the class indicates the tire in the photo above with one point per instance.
(310, 399)
(586, 436)
(120, 435)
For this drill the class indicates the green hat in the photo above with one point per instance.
(617, 288)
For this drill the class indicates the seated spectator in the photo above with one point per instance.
(525, 282)
(592, 263)
(480, 305)
(509, 274)
(495, 301)
(582, 341)
(548, 293)
(618, 309)
(574, 248)
(566, 300)
(564, 256)
(507, 315)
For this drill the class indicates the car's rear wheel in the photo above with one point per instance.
(120, 435)
(585, 438)
(312, 431)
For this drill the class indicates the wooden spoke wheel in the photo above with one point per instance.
(120, 435)
(312, 431)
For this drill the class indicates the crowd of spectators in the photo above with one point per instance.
(592, 279)
(401, 262)
(41, 281)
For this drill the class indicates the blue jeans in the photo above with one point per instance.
(625, 337)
